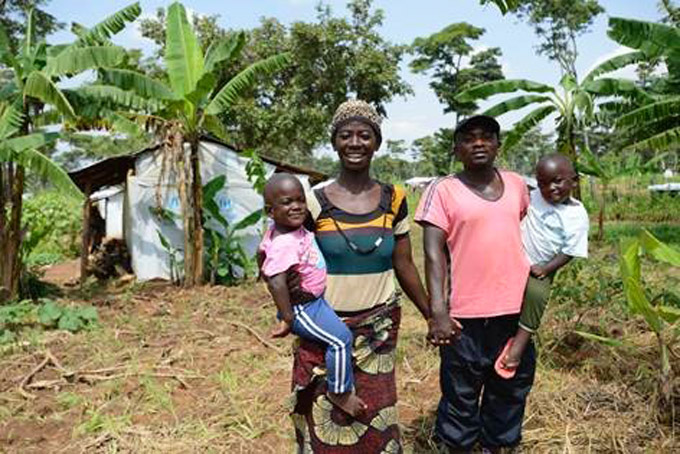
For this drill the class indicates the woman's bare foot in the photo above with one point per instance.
(348, 401)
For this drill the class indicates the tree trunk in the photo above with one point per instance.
(85, 237)
(11, 231)
(573, 157)
(197, 200)
(182, 167)
(600, 218)
(4, 231)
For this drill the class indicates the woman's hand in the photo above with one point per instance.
(442, 330)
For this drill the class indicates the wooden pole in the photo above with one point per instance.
(85, 236)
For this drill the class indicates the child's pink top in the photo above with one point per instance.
(296, 249)
(489, 269)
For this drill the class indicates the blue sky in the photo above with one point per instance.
(420, 114)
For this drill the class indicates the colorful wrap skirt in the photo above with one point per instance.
(320, 427)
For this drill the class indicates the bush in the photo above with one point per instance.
(46, 315)
(61, 218)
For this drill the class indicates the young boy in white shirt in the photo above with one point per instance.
(554, 231)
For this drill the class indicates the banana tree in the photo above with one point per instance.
(574, 103)
(660, 312)
(656, 125)
(179, 112)
(36, 69)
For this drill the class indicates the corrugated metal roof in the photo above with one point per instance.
(112, 171)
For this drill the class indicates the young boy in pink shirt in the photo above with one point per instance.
(471, 224)
(287, 245)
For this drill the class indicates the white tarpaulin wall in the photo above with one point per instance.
(237, 200)
(110, 201)
(114, 216)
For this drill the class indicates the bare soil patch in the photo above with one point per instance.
(175, 371)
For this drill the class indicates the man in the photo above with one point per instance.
(474, 218)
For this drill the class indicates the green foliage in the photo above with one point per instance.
(668, 233)
(504, 6)
(523, 157)
(435, 153)
(442, 54)
(255, 171)
(199, 95)
(74, 60)
(13, 19)
(104, 30)
(60, 217)
(573, 102)
(659, 311)
(627, 199)
(326, 164)
(655, 310)
(175, 262)
(587, 284)
(46, 314)
(183, 56)
(558, 23)
(97, 422)
(37, 69)
(602, 339)
(655, 125)
(391, 169)
(226, 258)
(22, 150)
(331, 59)
(71, 319)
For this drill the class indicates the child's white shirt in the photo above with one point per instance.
(548, 229)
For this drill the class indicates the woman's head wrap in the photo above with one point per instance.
(356, 110)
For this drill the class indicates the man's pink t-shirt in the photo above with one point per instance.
(295, 249)
(489, 269)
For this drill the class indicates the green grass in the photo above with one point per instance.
(615, 231)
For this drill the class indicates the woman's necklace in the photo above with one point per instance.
(352, 245)
(355, 247)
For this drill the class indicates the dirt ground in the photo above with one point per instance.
(63, 273)
(176, 371)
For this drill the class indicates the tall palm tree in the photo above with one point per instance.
(36, 69)
(656, 125)
(574, 103)
(180, 111)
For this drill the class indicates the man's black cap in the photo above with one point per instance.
(485, 122)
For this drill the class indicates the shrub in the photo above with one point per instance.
(46, 315)
(60, 218)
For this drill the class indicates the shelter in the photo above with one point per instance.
(419, 182)
(127, 190)
(666, 188)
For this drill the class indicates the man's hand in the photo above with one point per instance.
(538, 272)
(282, 329)
(442, 330)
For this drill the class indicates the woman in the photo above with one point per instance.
(362, 230)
